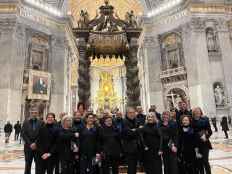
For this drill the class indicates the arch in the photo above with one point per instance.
(174, 95)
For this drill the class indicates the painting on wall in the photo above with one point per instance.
(39, 85)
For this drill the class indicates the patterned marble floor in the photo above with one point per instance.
(12, 161)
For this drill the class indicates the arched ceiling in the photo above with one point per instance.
(120, 6)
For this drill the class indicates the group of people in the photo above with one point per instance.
(174, 142)
(8, 129)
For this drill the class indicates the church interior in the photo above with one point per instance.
(111, 54)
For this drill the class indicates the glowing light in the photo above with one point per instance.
(164, 7)
(45, 7)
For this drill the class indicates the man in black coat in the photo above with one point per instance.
(141, 118)
(30, 131)
(46, 145)
(183, 110)
(131, 140)
(7, 129)
(17, 128)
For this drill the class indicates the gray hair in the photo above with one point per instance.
(65, 118)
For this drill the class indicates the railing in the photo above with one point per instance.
(173, 72)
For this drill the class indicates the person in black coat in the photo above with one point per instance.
(110, 146)
(131, 140)
(90, 158)
(169, 144)
(188, 150)
(17, 128)
(225, 127)
(183, 110)
(78, 122)
(203, 131)
(67, 146)
(141, 118)
(8, 129)
(153, 109)
(118, 121)
(214, 123)
(30, 132)
(152, 147)
(46, 145)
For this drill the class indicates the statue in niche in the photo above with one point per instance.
(219, 95)
(173, 58)
(131, 19)
(84, 19)
(211, 40)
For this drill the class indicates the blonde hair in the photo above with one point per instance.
(194, 111)
(152, 114)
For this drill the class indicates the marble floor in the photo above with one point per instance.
(12, 161)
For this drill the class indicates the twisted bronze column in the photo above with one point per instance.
(132, 72)
(83, 71)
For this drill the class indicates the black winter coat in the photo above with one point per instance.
(130, 136)
(30, 133)
(89, 142)
(8, 128)
(202, 126)
(186, 146)
(152, 138)
(169, 136)
(65, 141)
(47, 139)
(109, 141)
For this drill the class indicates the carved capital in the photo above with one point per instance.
(222, 25)
(198, 24)
(58, 41)
(150, 41)
(7, 25)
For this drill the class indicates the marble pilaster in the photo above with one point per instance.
(198, 66)
(57, 69)
(153, 70)
(226, 53)
(12, 48)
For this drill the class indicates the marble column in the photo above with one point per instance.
(198, 66)
(153, 70)
(132, 84)
(58, 71)
(226, 53)
(84, 72)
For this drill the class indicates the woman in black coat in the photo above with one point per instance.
(89, 156)
(188, 150)
(151, 140)
(203, 131)
(169, 144)
(67, 146)
(110, 146)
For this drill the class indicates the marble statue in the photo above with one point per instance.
(173, 59)
(219, 95)
(211, 40)
(84, 19)
(131, 19)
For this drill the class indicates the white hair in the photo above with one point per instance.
(65, 118)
